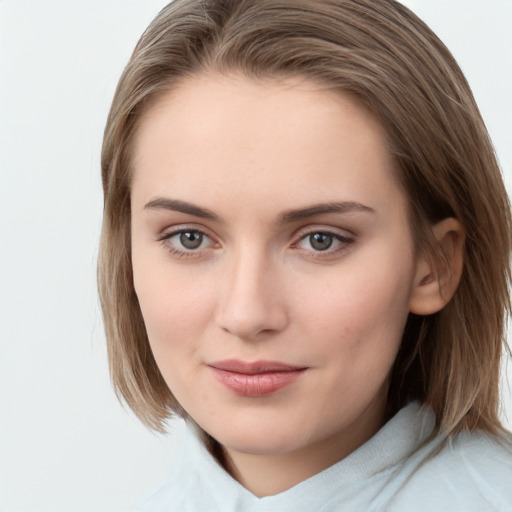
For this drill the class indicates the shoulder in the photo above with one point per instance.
(472, 472)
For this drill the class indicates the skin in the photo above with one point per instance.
(256, 288)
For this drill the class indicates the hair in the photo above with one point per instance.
(381, 54)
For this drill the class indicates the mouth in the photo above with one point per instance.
(255, 379)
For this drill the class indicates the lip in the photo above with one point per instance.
(255, 379)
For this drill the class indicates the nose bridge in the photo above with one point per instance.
(250, 301)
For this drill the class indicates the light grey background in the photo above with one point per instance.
(66, 445)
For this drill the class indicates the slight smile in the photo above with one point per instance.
(256, 379)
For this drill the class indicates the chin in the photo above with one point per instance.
(257, 439)
(258, 445)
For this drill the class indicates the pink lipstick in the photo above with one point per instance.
(257, 379)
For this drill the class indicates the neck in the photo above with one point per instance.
(267, 475)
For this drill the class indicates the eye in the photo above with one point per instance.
(186, 242)
(324, 241)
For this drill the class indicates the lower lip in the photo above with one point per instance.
(259, 384)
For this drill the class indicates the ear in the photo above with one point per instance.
(438, 275)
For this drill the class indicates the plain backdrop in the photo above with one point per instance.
(66, 444)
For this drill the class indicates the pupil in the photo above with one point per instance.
(191, 239)
(320, 241)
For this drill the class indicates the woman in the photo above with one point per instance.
(305, 254)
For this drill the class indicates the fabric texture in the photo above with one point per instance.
(396, 470)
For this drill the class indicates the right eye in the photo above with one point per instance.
(186, 242)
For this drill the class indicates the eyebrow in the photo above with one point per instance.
(286, 217)
(323, 208)
(176, 205)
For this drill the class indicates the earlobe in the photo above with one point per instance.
(438, 275)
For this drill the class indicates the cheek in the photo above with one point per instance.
(353, 331)
(360, 315)
(176, 306)
(175, 315)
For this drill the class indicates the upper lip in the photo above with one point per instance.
(253, 368)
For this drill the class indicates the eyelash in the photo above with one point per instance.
(165, 239)
(344, 243)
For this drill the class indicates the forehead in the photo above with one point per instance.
(233, 139)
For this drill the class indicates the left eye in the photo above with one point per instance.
(322, 241)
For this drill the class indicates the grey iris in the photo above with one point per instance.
(191, 239)
(320, 241)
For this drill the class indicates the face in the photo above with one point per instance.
(272, 260)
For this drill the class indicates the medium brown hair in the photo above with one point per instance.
(380, 53)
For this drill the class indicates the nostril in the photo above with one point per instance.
(252, 321)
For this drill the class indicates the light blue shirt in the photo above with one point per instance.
(393, 471)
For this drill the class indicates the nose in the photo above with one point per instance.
(251, 302)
